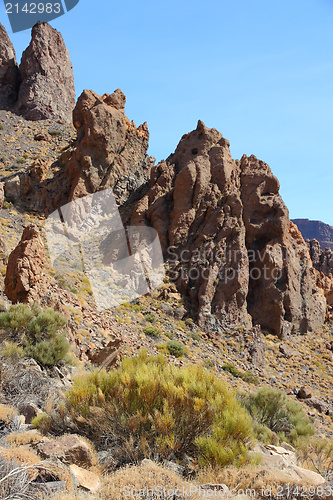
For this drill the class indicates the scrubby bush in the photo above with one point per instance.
(38, 331)
(150, 317)
(149, 408)
(11, 350)
(318, 456)
(272, 411)
(247, 376)
(175, 348)
(152, 331)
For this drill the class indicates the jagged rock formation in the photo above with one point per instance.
(110, 152)
(9, 72)
(315, 229)
(25, 267)
(322, 259)
(47, 88)
(227, 236)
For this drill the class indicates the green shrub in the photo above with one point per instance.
(11, 350)
(272, 411)
(38, 331)
(170, 335)
(42, 422)
(55, 133)
(175, 348)
(247, 376)
(7, 204)
(151, 330)
(148, 407)
(150, 317)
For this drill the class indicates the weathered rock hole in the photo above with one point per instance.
(194, 151)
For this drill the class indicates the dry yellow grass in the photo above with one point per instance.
(147, 476)
(7, 413)
(248, 478)
(24, 438)
(21, 456)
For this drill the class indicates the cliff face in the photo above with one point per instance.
(315, 229)
(42, 87)
(322, 259)
(9, 72)
(226, 233)
(47, 88)
(110, 152)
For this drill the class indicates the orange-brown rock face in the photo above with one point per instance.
(47, 87)
(282, 293)
(9, 72)
(111, 151)
(25, 267)
(194, 203)
(226, 234)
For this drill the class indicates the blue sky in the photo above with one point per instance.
(260, 71)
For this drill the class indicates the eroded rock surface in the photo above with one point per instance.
(110, 152)
(322, 259)
(47, 87)
(25, 267)
(9, 72)
(226, 233)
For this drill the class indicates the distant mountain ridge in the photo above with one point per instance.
(315, 229)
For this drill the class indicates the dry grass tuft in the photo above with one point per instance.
(147, 476)
(24, 438)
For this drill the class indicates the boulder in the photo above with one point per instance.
(304, 393)
(47, 87)
(29, 411)
(24, 274)
(256, 348)
(9, 72)
(12, 189)
(85, 479)
(307, 476)
(2, 195)
(287, 350)
(69, 449)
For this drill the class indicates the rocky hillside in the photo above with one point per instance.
(314, 229)
(246, 305)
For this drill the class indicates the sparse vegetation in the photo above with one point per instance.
(55, 133)
(152, 331)
(148, 407)
(38, 332)
(247, 376)
(272, 411)
(150, 317)
(175, 348)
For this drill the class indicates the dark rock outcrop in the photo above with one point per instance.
(24, 275)
(315, 229)
(322, 260)
(9, 72)
(226, 233)
(47, 88)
